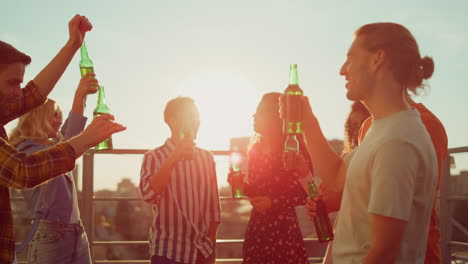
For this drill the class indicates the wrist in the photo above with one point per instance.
(72, 45)
(80, 96)
(78, 144)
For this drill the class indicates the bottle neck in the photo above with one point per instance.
(186, 132)
(293, 75)
(85, 60)
(312, 189)
(84, 52)
(101, 106)
(101, 96)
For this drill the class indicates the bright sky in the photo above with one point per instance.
(226, 54)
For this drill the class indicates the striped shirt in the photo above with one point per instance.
(19, 170)
(184, 211)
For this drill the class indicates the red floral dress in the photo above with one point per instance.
(275, 236)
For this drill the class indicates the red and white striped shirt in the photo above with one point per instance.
(184, 211)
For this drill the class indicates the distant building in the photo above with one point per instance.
(459, 183)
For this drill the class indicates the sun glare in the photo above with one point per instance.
(236, 158)
(226, 101)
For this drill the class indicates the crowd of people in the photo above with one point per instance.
(383, 184)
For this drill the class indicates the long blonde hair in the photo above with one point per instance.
(35, 124)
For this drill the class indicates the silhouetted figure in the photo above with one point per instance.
(179, 180)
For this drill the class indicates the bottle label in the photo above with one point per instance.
(85, 70)
(293, 115)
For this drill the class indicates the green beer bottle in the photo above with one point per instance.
(86, 65)
(322, 223)
(293, 121)
(102, 108)
(237, 180)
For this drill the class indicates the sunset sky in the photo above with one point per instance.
(226, 54)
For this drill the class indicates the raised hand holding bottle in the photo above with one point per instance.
(292, 124)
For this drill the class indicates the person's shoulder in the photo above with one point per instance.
(426, 114)
(431, 121)
(205, 155)
(204, 152)
(157, 150)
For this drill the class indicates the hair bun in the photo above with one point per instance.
(427, 65)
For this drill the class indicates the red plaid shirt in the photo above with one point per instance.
(20, 170)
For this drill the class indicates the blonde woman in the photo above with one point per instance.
(58, 235)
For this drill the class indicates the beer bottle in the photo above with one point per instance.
(86, 65)
(322, 223)
(237, 180)
(102, 108)
(293, 120)
(187, 132)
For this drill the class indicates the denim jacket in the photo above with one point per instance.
(60, 197)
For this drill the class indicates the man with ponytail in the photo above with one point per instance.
(436, 131)
(391, 177)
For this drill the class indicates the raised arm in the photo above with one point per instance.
(160, 179)
(327, 163)
(86, 86)
(76, 122)
(48, 77)
(20, 170)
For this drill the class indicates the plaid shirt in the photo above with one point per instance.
(20, 170)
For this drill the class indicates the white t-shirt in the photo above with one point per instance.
(393, 173)
(327, 259)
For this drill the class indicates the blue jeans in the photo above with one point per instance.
(59, 243)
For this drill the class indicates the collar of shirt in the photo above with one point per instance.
(170, 144)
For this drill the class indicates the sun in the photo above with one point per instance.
(226, 101)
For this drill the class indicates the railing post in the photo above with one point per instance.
(87, 214)
(445, 214)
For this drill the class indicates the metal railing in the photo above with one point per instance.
(447, 222)
(87, 210)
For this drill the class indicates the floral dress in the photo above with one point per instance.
(275, 236)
